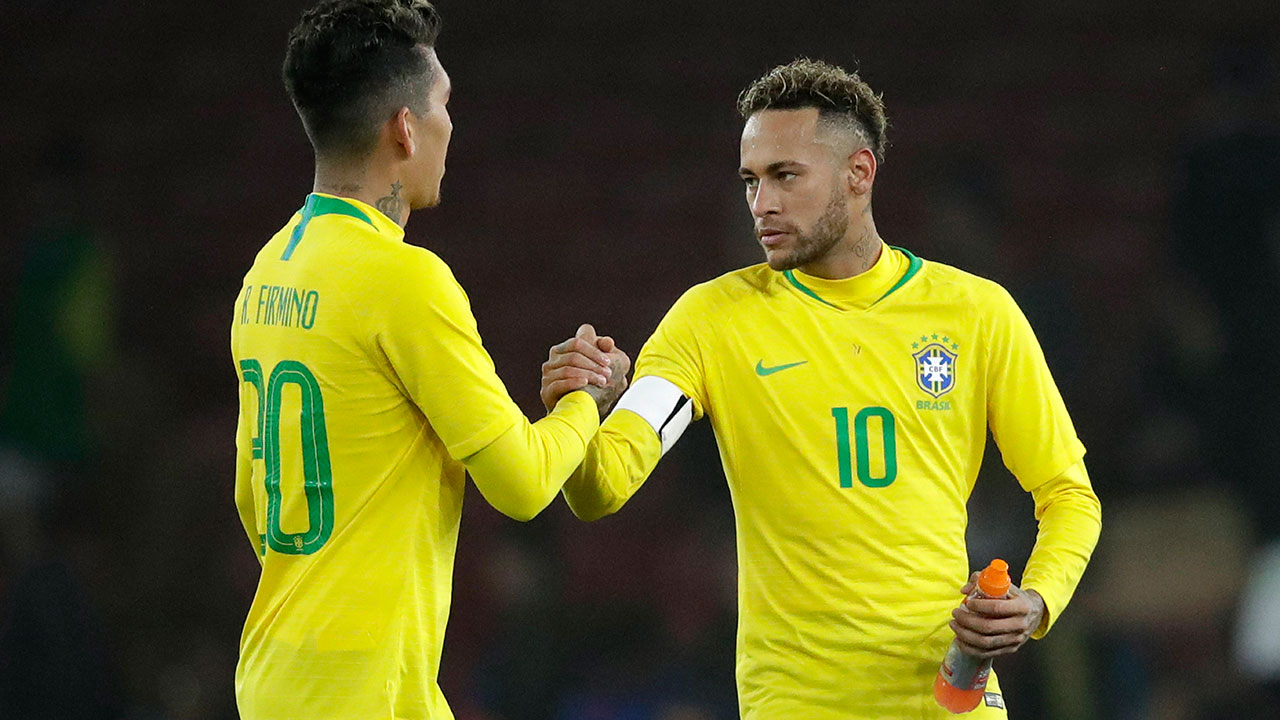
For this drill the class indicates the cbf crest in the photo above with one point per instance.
(935, 364)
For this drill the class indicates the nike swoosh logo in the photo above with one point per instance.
(761, 370)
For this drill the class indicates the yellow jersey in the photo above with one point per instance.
(364, 390)
(851, 418)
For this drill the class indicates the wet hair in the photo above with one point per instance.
(843, 100)
(351, 63)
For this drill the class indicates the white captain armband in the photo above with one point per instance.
(662, 405)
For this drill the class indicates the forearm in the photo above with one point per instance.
(521, 471)
(1070, 518)
(617, 462)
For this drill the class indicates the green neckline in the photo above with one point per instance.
(913, 266)
(315, 206)
(800, 286)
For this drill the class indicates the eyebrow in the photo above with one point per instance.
(772, 168)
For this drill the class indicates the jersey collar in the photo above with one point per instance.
(326, 204)
(320, 204)
(892, 270)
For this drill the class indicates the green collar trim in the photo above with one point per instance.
(799, 286)
(913, 266)
(316, 206)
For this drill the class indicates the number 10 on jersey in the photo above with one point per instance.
(862, 445)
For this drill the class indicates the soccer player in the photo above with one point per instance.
(365, 392)
(850, 385)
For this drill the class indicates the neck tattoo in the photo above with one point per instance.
(390, 205)
(864, 246)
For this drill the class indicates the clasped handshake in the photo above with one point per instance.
(587, 362)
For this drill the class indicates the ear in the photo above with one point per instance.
(402, 133)
(862, 171)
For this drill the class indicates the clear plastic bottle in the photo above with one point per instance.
(962, 678)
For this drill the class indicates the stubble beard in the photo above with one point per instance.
(829, 229)
(432, 201)
(433, 198)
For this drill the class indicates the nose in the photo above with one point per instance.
(766, 201)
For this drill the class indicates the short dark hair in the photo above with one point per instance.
(839, 95)
(351, 61)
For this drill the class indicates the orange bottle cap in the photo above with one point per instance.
(994, 581)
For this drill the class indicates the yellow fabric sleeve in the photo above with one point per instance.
(624, 452)
(673, 352)
(1025, 410)
(618, 461)
(244, 480)
(521, 471)
(1070, 518)
(428, 336)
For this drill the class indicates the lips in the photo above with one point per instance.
(770, 237)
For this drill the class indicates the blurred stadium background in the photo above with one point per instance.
(1115, 165)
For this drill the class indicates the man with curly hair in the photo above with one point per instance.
(365, 392)
(850, 385)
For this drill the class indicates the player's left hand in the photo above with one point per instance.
(989, 627)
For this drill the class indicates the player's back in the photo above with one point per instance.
(351, 498)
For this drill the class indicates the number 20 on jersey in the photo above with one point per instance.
(317, 474)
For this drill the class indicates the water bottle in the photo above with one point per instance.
(962, 679)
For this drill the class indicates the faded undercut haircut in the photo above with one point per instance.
(842, 99)
(352, 63)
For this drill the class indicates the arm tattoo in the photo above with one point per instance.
(390, 205)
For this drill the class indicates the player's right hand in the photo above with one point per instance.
(585, 362)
